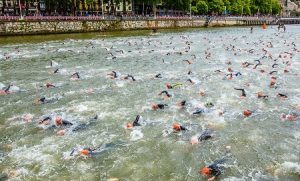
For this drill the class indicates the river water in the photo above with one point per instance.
(263, 146)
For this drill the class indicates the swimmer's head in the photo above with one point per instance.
(58, 120)
(84, 152)
(169, 86)
(176, 127)
(247, 113)
(259, 94)
(154, 106)
(205, 171)
(129, 126)
(194, 140)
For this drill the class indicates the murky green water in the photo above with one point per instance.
(263, 146)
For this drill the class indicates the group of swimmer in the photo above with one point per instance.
(63, 125)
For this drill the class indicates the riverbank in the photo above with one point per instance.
(79, 26)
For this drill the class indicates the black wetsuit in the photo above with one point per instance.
(136, 121)
(243, 91)
(238, 73)
(216, 168)
(206, 134)
(161, 106)
(7, 89)
(198, 111)
(182, 103)
(45, 119)
(282, 95)
(77, 75)
(158, 76)
(130, 76)
(56, 71)
(165, 92)
(273, 72)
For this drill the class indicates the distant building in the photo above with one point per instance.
(289, 7)
(12, 7)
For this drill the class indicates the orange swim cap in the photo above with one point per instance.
(85, 152)
(205, 171)
(129, 126)
(247, 113)
(176, 127)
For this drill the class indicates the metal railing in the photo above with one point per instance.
(91, 18)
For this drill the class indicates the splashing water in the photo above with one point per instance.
(263, 146)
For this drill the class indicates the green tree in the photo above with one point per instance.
(276, 7)
(216, 6)
(202, 7)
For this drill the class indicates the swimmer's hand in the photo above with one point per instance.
(211, 179)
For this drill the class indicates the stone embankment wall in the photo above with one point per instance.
(49, 27)
(46, 27)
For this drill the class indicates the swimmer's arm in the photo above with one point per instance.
(211, 179)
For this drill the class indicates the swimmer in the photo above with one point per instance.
(273, 81)
(257, 64)
(243, 92)
(230, 76)
(43, 100)
(260, 95)
(282, 96)
(166, 94)
(113, 75)
(45, 121)
(78, 127)
(56, 71)
(135, 123)
(198, 111)
(188, 61)
(189, 72)
(209, 105)
(289, 117)
(75, 76)
(238, 74)
(127, 77)
(158, 106)
(172, 86)
(49, 85)
(181, 104)
(158, 76)
(61, 122)
(274, 65)
(214, 170)
(177, 127)
(246, 64)
(272, 72)
(54, 64)
(205, 135)
(11, 89)
(191, 81)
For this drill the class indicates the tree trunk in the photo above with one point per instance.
(154, 9)
(124, 6)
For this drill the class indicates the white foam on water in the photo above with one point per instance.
(288, 168)
(136, 135)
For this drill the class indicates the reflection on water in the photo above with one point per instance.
(205, 63)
